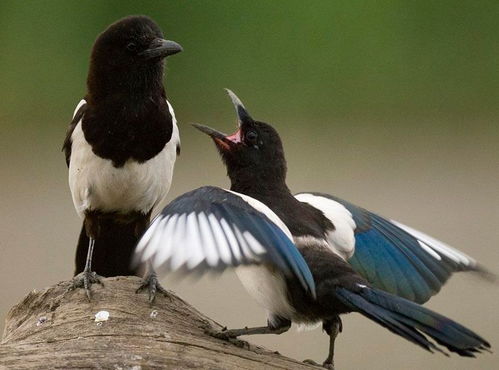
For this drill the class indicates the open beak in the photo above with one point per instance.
(224, 142)
(242, 113)
(160, 48)
(228, 142)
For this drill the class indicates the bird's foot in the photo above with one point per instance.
(228, 336)
(153, 286)
(325, 365)
(85, 280)
(223, 333)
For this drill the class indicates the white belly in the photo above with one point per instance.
(97, 185)
(267, 288)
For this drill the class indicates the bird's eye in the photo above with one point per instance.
(251, 137)
(131, 46)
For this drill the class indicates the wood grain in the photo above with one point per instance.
(55, 329)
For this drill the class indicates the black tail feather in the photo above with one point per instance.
(411, 321)
(113, 251)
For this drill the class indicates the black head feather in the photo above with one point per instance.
(256, 166)
(127, 116)
(259, 157)
(253, 154)
(129, 55)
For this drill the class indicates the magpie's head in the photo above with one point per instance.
(254, 151)
(132, 48)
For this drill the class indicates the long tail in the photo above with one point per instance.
(411, 321)
(113, 250)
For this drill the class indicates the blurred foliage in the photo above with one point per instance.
(300, 61)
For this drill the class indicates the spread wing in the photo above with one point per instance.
(210, 229)
(77, 116)
(395, 257)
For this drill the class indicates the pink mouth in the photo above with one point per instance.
(235, 137)
(224, 143)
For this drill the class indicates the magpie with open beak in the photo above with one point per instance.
(121, 148)
(358, 261)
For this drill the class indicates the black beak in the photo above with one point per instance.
(225, 143)
(242, 113)
(214, 134)
(160, 48)
(228, 142)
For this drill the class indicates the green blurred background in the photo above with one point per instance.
(390, 104)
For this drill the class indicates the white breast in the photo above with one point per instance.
(96, 184)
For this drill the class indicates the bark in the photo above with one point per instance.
(55, 329)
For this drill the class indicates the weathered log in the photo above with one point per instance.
(55, 329)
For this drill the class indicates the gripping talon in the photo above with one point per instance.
(219, 334)
(153, 286)
(85, 280)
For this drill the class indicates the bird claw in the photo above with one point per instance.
(228, 336)
(153, 286)
(85, 280)
(220, 334)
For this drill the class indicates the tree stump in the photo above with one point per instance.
(55, 329)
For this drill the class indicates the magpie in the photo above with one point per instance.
(307, 258)
(121, 148)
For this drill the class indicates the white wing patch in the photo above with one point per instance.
(261, 207)
(432, 245)
(210, 228)
(175, 139)
(341, 240)
(185, 240)
(82, 101)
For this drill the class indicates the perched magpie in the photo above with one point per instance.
(121, 147)
(307, 258)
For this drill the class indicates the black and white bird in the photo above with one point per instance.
(121, 147)
(307, 258)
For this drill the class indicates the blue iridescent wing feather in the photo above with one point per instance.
(395, 260)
